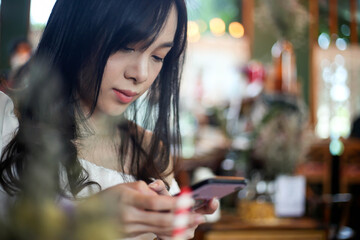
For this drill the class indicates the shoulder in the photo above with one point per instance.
(7, 115)
(8, 120)
(5, 101)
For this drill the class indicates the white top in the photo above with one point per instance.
(8, 124)
(103, 176)
(108, 177)
(8, 120)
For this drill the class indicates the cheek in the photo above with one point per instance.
(151, 81)
(154, 74)
(104, 99)
(108, 74)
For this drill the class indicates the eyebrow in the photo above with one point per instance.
(166, 45)
(163, 45)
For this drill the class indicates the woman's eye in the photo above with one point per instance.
(127, 49)
(158, 59)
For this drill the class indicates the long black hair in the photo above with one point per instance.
(77, 41)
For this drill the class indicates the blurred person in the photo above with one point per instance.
(108, 53)
(20, 53)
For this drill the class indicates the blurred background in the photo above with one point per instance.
(269, 92)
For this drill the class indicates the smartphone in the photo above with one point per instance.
(217, 187)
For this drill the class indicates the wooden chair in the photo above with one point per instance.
(316, 166)
(336, 174)
(350, 164)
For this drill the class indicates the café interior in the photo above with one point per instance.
(269, 93)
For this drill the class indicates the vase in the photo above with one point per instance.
(284, 63)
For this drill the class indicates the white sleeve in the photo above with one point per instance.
(8, 120)
(174, 187)
(8, 125)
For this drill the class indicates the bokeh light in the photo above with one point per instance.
(341, 44)
(336, 147)
(193, 31)
(345, 29)
(228, 164)
(341, 75)
(236, 30)
(339, 92)
(339, 60)
(217, 26)
(202, 25)
(339, 125)
(324, 40)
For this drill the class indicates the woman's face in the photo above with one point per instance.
(130, 72)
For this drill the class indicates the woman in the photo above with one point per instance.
(108, 54)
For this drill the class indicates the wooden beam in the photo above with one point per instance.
(313, 36)
(333, 17)
(353, 22)
(248, 21)
(314, 21)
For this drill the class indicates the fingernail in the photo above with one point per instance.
(153, 184)
(215, 202)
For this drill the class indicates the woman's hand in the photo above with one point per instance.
(159, 187)
(210, 207)
(144, 209)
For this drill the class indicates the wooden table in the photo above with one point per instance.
(231, 227)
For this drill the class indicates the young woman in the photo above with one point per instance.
(108, 54)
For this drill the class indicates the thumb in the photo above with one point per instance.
(159, 187)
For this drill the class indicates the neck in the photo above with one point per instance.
(99, 139)
(97, 124)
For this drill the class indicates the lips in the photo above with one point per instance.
(125, 96)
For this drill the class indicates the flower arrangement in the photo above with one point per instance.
(280, 138)
(288, 19)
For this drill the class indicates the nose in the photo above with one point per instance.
(137, 70)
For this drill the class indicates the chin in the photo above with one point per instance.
(115, 112)
(110, 111)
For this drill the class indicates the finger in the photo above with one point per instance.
(165, 227)
(210, 207)
(155, 218)
(139, 195)
(164, 220)
(159, 187)
(152, 203)
(164, 237)
(190, 233)
(142, 187)
(135, 222)
(195, 220)
(133, 230)
(124, 189)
